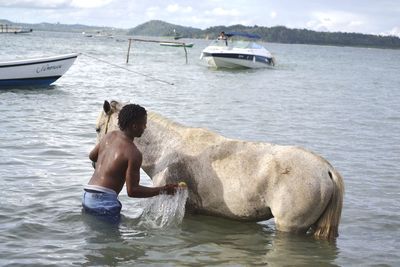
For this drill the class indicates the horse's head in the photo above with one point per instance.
(107, 120)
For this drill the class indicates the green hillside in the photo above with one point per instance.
(277, 34)
(161, 28)
(59, 27)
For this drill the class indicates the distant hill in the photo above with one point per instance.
(58, 27)
(161, 28)
(281, 34)
(4, 21)
(67, 27)
(277, 34)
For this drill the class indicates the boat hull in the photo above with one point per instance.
(233, 60)
(35, 72)
(177, 44)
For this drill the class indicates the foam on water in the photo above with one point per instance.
(165, 210)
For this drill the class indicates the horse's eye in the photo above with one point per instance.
(98, 130)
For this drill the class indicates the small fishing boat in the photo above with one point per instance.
(35, 72)
(226, 52)
(176, 44)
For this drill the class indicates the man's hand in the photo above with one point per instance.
(170, 189)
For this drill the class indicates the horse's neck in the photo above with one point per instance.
(164, 141)
(161, 132)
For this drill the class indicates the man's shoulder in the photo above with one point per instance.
(135, 150)
(111, 136)
(131, 148)
(133, 154)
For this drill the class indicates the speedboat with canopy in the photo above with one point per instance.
(237, 50)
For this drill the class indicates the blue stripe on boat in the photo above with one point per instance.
(260, 59)
(40, 81)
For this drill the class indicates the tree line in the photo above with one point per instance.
(276, 34)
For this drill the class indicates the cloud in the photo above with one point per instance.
(197, 21)
(202, 20)
(272, 14)
(54, 4)
(89, 3)
(244, 22)
(31, 4)
(218, 11)
(175, 8)
(393, 32)
(152, 12)
(336, 21)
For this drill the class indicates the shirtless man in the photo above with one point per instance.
(118, 161)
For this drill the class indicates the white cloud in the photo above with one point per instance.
(35, 4)
(393, 32)
(336, 21)
(245, 22)
(197, 21)
(53, 4)
(152, 12)
(177, 8)
(218, 11)
(272, 14)
(89, 3)
(173, 8)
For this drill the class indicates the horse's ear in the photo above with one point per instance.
(106, 107)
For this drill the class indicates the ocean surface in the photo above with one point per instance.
(340, 102)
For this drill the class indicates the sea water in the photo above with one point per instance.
(340, 102)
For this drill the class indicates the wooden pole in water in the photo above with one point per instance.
(129, 48)
(184, 47)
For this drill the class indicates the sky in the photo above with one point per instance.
(362, 16)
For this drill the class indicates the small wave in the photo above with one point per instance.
(393, 118)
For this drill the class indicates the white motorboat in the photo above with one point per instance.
(34, 72)
(243, 53)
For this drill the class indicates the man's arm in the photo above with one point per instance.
(134, 189)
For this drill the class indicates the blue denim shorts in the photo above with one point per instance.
(103, 204)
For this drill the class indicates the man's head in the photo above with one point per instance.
(133, 115)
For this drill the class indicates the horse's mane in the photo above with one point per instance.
(165, 122)
(154, 116)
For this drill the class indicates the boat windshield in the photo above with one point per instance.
(245, 44)
(219, 42)
(236, 44)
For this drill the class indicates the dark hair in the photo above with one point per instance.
(130, 114)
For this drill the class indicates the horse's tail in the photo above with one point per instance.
(327, 225)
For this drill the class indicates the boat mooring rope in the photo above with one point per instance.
(136, 72)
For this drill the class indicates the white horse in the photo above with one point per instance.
(249, 181)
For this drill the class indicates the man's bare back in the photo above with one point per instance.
(112, 156)
(118, 161)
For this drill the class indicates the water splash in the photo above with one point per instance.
(165, 210)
